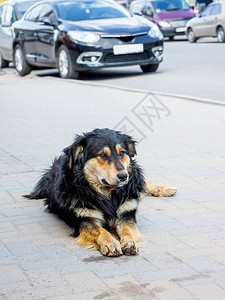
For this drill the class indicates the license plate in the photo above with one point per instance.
(126, 49)
(181, 29)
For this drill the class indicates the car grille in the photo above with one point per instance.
(179, 23)
(111, 58)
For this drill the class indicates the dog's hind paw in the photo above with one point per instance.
(165, 190)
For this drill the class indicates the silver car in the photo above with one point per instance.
(10, 11)
(210, 23)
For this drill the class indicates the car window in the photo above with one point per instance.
(8, 15)
(137, 7)
(170, 5)
(90, 10)
(148, 10)
(216, 9)
(207, 11)
(47, 11)
(23, 7)
(34, 13)
(1, 13)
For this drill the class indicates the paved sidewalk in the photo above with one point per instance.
(181, 143)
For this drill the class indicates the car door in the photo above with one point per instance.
(46, 30)
(207, 21)
(28, 33)
(6, 32)
(216, 12)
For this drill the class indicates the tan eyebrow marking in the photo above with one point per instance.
(106, 150)
(119, 148)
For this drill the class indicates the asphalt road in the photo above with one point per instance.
(190, 70)
(196, 70)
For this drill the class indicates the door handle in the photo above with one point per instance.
(35, 34)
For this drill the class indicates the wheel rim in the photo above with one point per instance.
(191, 35)
(63, 63)
(19, 60)
(220, 35)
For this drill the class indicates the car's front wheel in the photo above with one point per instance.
(220, 35)
(149, 68)
(3, 63)
(20, 63)
(64, 64)
(191, 36)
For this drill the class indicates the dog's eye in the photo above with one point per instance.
(122, 152)
(103, 155)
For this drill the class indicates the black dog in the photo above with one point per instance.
(95, 188)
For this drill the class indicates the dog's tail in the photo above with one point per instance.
(39, 191)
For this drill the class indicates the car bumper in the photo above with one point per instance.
(89, 58)
(169, 32)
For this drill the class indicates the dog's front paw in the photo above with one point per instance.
(165, 190)
(129, 247)
(111, 248)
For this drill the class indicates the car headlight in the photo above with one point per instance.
(155, 32)
(85, 37)
(164, 24)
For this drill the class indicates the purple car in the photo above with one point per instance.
(170, 15)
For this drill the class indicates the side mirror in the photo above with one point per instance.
(46, 21)
(149, 14)
(7, 24)
(137, 13)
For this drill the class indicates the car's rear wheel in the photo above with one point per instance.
(191, 36)
(20, 63)
(149, 68)
(64, 64)
(220, 35)
(3, 63)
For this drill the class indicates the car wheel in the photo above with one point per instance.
(3, 63)
(191, 36)
(22, 67)
(149, 68)
(220, 35)
(64, 64)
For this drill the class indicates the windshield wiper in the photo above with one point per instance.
(172, 9)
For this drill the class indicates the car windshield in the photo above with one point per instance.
(23, 7)
(170, 5)
(90, 10)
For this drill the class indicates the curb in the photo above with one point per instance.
(178, 96)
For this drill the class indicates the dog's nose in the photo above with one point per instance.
(122, 176)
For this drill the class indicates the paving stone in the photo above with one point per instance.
(87, 282)
(170, 273)
(208, 291)
(203, 264)
(11, 274)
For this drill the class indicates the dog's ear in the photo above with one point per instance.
(130, 143)
(75, 151)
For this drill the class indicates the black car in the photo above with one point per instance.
(10, 12)
(81, 35)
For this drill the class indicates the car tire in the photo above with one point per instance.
(64, 64)
(3, 63)
(20, 63)
(220, 35)
(149, 68)
(191, 36)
